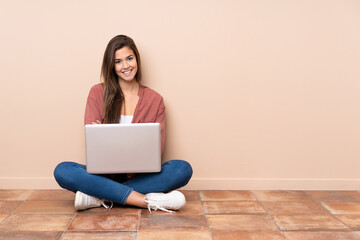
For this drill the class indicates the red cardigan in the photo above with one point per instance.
(150, 108)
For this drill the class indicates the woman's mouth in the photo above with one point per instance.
(127, 73)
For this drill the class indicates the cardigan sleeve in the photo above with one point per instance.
(160, 118)
(93, 106)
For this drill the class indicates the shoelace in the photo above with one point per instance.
(93, 200)
(156, 206)
(106, 206)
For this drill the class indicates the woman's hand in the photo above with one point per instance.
(96, 122)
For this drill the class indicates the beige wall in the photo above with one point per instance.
(259, 94)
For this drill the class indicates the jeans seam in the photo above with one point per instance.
(123, 200)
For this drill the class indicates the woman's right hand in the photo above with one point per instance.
(96, 122)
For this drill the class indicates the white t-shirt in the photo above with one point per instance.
(126, 119)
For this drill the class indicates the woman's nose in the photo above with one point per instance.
(125, 64)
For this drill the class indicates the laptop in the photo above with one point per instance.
(123, 148)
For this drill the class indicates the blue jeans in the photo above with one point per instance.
(74, 177)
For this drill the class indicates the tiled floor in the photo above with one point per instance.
(217, 215)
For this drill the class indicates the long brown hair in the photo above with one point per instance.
(113, 95)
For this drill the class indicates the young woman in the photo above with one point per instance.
(122, 99)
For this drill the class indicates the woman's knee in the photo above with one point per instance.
(63, 172)
(182, 170)
(60, 169)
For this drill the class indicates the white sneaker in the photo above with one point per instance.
(84, 201)
(164, 201)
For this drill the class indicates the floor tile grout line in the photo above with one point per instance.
(318, 230)
(329, 200)
(13, 211)
(283, 233)
(71, 220)
(6, 217)
(23, 202)
(198, 193)
(334, 215)
(207, 223)
(138, 226)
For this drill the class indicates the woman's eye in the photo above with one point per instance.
(130, 58)
(116, 62)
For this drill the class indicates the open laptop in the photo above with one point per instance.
(123, 148)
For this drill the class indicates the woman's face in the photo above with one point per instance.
(125, 64)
